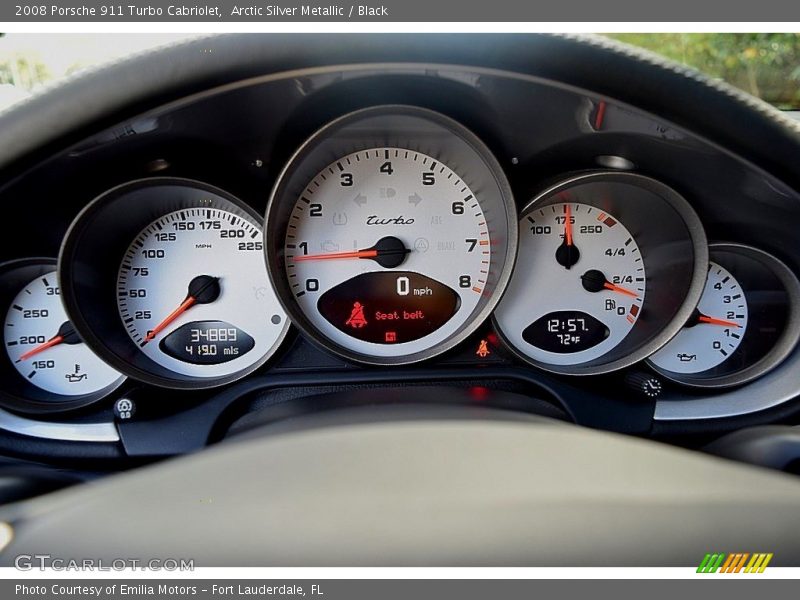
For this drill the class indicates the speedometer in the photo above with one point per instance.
(185, 295)
(175, 292)
(396, 249)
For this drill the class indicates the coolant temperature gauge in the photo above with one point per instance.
(715, 330)
(44, 347)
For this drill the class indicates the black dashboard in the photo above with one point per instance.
(227, 256)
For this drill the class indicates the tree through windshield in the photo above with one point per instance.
(766, 65)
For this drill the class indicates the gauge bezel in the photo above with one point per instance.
(18, 394)
(88, 265)
(677, 231)
(411, 128)
(784, 343)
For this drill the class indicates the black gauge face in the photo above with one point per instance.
(613, 264)
(390, 235)
(178, 295)
(48, 367)
(745, 323)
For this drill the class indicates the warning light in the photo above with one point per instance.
(479, 393)
(357, 319)
(483, 349)
(391, 336)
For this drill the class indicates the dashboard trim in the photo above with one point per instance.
(67, 432)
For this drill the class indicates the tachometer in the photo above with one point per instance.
(613, 265)
(390, 235)
(191, 303)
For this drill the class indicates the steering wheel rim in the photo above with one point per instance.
(66, 113)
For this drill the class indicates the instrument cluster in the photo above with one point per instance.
(391, 236)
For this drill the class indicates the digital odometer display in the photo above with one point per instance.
(207, 343)
(389, 308)
(565, 331)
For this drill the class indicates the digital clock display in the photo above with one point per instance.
(565, 331)
(207, 343)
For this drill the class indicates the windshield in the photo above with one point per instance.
(766, 65)
(30, 61)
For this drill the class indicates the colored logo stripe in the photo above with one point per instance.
(734, 562)
(711, 563)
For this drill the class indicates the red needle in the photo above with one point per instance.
(568, 226)
(54, 341)
(185, 305)
(337, 255)
(621, 290)
(713, 321)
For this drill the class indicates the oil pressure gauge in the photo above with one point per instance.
(745, 323)
(713, 332)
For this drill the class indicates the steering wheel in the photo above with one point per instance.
(417, 484)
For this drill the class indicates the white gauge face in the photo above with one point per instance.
(578, 287)
(193, 293)
(714, 332)
(44, 348)
(387, 252)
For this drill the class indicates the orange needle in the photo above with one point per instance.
(336, 255)
(185, 305)
(713, 321)
(54, 341)
(568, 226)
(620, 290)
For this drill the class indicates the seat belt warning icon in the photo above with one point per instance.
(357, 319)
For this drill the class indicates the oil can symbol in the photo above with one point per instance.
(76, 376)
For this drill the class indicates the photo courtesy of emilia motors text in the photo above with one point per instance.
(399, 299)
